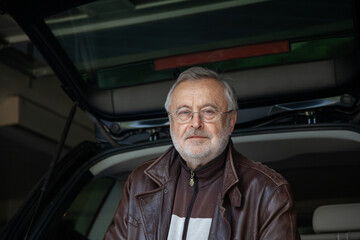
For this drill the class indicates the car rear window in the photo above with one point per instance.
(127, 42)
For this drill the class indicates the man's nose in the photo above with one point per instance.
(196, 121)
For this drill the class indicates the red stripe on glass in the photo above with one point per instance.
(221, 55)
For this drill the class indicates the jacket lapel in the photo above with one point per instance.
(149, 204)
(156, 205)
(230, 197)
(220, 226)
(231, 179)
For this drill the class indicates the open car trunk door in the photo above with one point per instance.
(117, 59)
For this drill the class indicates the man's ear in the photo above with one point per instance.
(233, 117)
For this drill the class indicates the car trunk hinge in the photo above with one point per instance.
(104, 131)
(311, 117)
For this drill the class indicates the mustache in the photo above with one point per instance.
(196, 132)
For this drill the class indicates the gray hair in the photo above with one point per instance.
(198, 73)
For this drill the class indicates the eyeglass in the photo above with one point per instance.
(206, 115)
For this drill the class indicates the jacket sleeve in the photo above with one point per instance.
(279, 218)
(118, 231)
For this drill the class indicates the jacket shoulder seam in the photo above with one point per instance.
(269, 173)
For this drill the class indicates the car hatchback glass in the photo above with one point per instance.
(122, 43)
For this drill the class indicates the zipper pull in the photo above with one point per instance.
(192, 180)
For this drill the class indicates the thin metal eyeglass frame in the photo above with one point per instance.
(192, 115)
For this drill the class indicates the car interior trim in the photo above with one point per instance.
(290, 143)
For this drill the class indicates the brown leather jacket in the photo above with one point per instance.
(256, 202)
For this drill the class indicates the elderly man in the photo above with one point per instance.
(202, 188)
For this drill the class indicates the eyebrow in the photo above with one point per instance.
(182, 106)
(201, 107)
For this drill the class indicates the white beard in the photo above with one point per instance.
(198, 153)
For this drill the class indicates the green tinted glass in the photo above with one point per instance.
(127, 42)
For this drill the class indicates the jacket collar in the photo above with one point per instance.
(167, 167)
(231, 178)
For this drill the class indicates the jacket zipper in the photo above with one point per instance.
(192, 182)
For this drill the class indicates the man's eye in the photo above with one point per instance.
(208, 111)
(184, 113)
